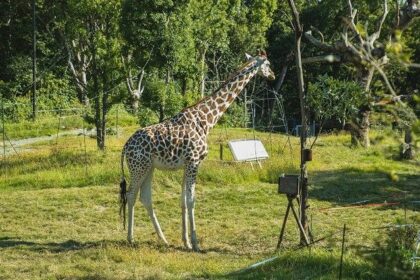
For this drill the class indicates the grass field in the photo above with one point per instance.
(59, 212)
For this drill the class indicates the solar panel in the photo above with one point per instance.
(247, 150)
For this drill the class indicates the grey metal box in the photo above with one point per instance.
(289, 184)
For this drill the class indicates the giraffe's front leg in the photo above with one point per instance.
(191, 173)
(185, 238)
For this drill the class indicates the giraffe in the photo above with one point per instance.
(180, 142)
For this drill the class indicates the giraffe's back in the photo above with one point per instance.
(166, 145)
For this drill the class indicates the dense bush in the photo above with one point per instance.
(332, 98)
(54, 97)
(394, 254)
(162, 97)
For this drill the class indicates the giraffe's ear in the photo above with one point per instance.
(248, 57)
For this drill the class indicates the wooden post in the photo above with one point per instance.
(4, 129)
(33, 60)
(342, 252)
(84, 142)
(58, 128)
(283, 227)
(303, 135)
(116, 122)
(221, 151)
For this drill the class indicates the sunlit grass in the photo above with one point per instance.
(48, 124)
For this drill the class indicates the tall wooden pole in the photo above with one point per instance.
(33, 61)
(303, 135)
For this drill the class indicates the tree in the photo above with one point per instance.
(303, 187)
(360, 48)
(159, 36)
(91, 35)
(330, 98)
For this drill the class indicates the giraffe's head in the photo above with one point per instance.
(264, 69)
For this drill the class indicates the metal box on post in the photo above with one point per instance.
(289, 184)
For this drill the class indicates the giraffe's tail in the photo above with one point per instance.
(123, 190)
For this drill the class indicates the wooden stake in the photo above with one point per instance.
(342, 252)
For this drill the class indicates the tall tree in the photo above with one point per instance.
(90, 30)
(361, 47)
(159, 33)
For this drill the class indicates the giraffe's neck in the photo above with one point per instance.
(211, 108)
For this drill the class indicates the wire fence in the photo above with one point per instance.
(345, 240)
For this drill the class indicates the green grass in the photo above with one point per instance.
(59, 212)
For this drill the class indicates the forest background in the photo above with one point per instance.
(158, 56)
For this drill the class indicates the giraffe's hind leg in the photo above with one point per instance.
(146, 200)
(131, 200)
(138, 176)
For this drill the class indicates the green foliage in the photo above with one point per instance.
(147, 116)
(160, 33)
(235, 116)
(331, 98)
(186, 42)
(162, 97)
(54, 97)
(395, 252)
(20, 79)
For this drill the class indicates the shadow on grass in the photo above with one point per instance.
(354, 185)
(73, 245)
(56, 247)
(305, 265)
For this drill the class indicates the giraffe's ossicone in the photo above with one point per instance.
(180, 142)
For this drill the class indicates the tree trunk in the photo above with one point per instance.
(407, 148)
(104, 111)
(135, 105)
(203, 73)
(97, 93)
(161, 113)
(184, 85)
(360, 129)
(98, 116)
(98, 99)
(361, 124)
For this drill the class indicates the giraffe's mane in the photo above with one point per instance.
(234, 74)
(227, 81)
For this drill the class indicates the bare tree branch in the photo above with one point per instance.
(412, 65)
(351, 24)
(392, 100)
(377, 34)
(321, 45)
(330, 58)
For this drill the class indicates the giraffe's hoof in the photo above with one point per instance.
(195, 248)
(187, 243)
